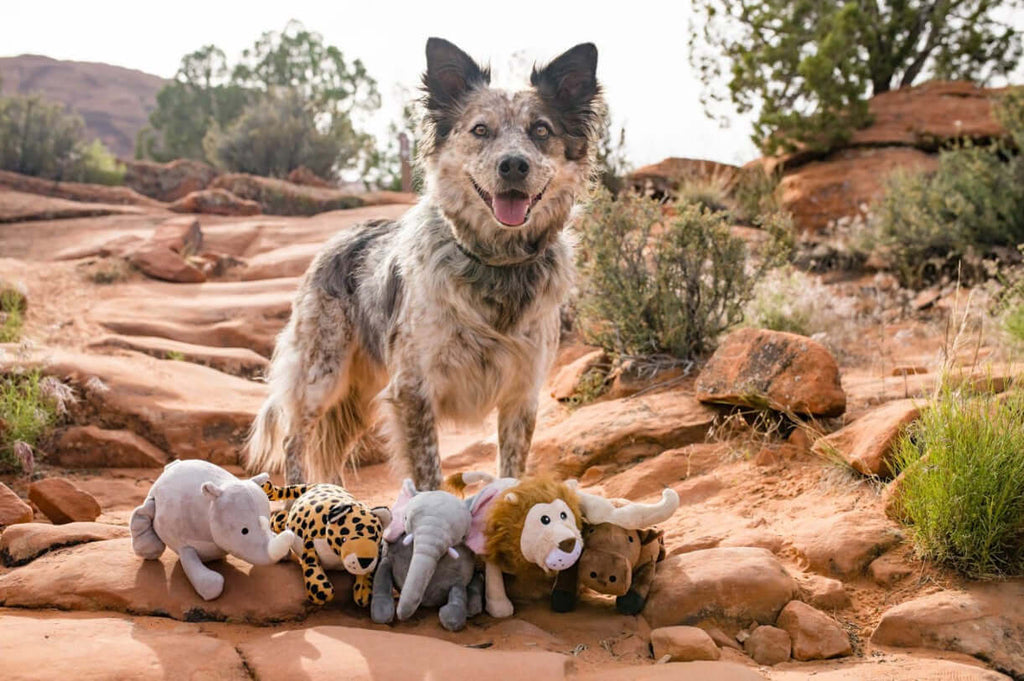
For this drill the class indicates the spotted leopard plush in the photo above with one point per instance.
(333, 531)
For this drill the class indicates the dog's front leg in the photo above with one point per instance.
(416, 432)
(515, 433)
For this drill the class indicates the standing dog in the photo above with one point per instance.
(453, 310)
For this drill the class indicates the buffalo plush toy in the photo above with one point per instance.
(202, 512)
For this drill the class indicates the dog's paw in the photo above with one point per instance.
(499, 608)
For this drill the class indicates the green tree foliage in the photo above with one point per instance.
(210, 96)
(43, 139)
(806, 67)
(279, 133)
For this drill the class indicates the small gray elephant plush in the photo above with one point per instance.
(202, 512)
(426, 559)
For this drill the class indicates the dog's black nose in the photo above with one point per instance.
(513, 168)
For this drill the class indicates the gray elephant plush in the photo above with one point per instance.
(202, 512)
(426, 559)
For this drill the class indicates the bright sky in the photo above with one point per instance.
(643, 64)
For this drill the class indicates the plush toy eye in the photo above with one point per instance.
(563, 516)
(593, 575)
(480, 130)
(245, 530)
(545, 520)
(541, 131)
(612, 579)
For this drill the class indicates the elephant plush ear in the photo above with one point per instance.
(260, 479)
(211, 490)
(480, 507)
(397, 525)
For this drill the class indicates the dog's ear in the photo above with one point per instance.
(568, 85)
(451, 73)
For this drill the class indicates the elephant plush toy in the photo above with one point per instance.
(202, 512)
(427, 560)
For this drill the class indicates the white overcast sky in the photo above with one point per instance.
(642, 46)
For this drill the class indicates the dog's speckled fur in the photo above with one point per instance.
(446, 313)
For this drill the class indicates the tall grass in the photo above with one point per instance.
(29, 405)
(963, 486)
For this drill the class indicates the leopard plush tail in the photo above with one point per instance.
(284, 492)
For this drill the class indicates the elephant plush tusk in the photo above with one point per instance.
(407, 540)
(453, 553)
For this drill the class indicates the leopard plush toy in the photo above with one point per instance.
(332, 531)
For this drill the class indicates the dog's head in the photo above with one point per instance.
(509, 163)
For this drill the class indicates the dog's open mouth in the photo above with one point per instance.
(511, 208)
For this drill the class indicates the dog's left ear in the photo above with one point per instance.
(569, 86)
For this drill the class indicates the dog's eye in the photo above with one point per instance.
(541, 131)
(545, 520)
(563, 516)
(480, 130)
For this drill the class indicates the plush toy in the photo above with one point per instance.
(427, 559)
(520, 526)
(203, 513)
(619, 552)
(332, 531)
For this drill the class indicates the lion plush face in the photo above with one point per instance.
(534, 524)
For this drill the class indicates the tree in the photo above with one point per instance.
(611, 159)
(807, 67)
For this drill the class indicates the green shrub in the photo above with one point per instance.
(788, 300)
(29, 405)
(98, 166)
(11, 310)
(947, 222)
(657, 284)
(963, 486)
(708, 192)
(755, 192)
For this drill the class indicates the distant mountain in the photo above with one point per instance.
(114, 101)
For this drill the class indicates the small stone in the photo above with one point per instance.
(721, 639)
(824, 592)
(867, 443)
(814, 635)
(12, 509)
(909, 370)
(181, 234)
(844, 545)
(568, 377)
(768, 645)
(683, 644)
(160, 262)
(62, 502)
(888, 569)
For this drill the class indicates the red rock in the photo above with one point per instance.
(76, 191)
(815, 635)
(48, 648)
(843, 545)
(92, 447)
(182, 235)
(663, 179)
(280, 197)
(215, 202)
(304, 176)
(985, 621)
(620, 431)
(649, 477)
(160, 262)
(738, 584)
(235, 361)
(565, 382)
(867, 443)
(62, 502)
(701, 670)
(823, 592)
(908, 371)
(784, 371)
(24, 543)
(768, 645)
(168, 181)
(888, 569)
(683, 644)
(12, 509)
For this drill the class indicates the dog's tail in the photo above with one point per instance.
(336, 435)
(264, 449)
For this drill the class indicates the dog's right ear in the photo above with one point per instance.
(451, 74)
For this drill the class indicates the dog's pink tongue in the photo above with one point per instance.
(510, 209)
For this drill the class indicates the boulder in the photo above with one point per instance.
(280, 197)
(889, 568)
(62, 502)
(168, 182)
(306, 177)
(18, 206)
(734, 583)
(182, 235)
(93, 447)
(76, 191)
(823, 592)
(650, 476)
(565, 382)
(620, 432)
(215, 202)
(366, 655)
(107, 575)
(683, 644)
(12, 509)
(815, 635)
(48, 648)
(867, 443)
(783, 371)
(24, 543)
(843, 545)
(663, 179)
(768, 645)
(235, 361)
(985, 621)
(160, 262)
(844, 184)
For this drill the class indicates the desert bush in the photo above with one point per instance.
(709, 192)
(661, 284)
(12, 307)
(42, 139)
(755, 192)
(787, 299)
(931, 225)
(962, 491)
(29, 405)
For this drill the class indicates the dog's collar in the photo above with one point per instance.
(538, 248)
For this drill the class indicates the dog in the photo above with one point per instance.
(453, 310)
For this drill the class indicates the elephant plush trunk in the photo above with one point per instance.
(428, 549)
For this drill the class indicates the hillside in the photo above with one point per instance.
(114, 101)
